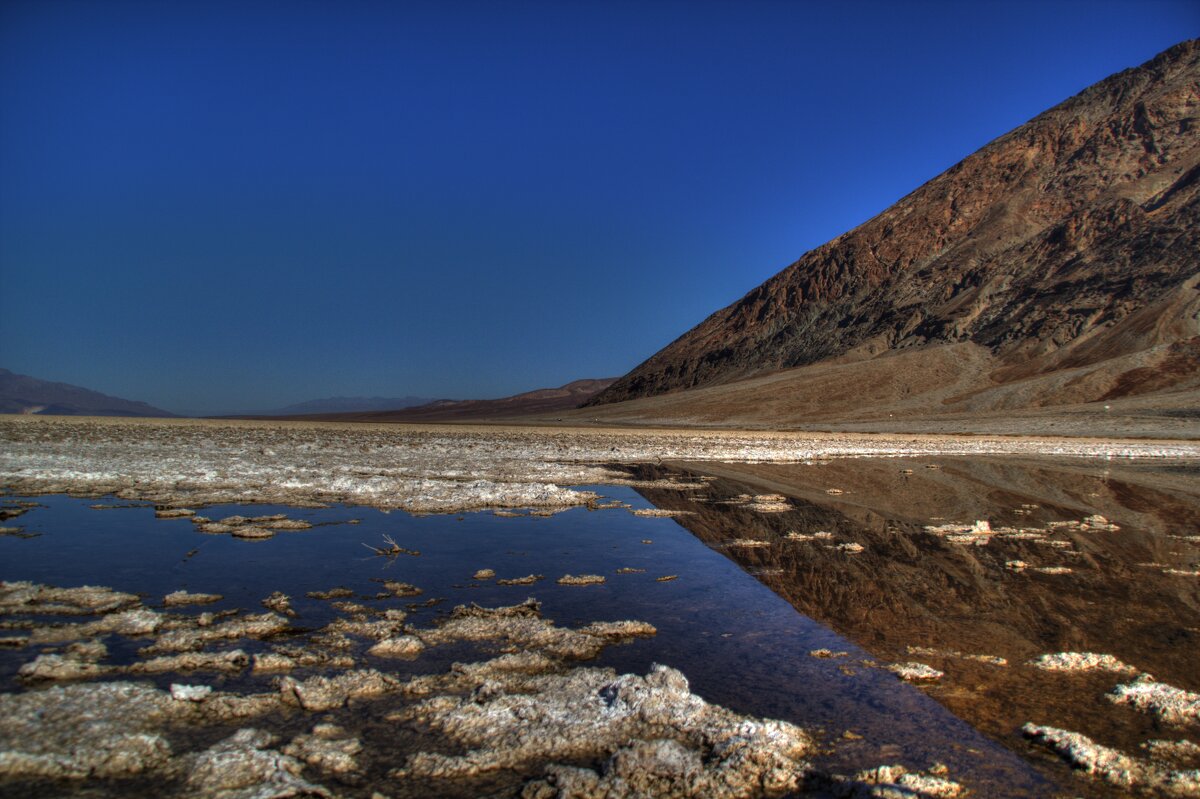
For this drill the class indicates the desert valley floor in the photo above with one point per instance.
(263, 609)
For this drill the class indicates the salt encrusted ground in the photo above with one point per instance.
(437, 470)
(425, 468)
(533, 722)
(531, 713)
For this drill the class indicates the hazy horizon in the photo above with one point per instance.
(212, 207)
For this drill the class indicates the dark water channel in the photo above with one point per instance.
(741, 644)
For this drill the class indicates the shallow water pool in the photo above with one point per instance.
(740, 644)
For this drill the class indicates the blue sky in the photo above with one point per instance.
(235, 205)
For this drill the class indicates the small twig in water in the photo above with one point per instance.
(393, 549)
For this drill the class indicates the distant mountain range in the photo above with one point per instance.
(345, 405)
(1056, 266)
(28, 395)
(541, 402)
(21, 394)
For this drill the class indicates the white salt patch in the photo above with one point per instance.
(1081, 661)
(1113, 766)
(424, 470)
(915, 671)
(991, 660)
(1170, 704)
(190, 693)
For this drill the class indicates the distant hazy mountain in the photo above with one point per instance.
(540, 401)
(347, 405)
(24, 394)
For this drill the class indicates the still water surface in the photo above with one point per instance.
(942, 560)
(740, 643)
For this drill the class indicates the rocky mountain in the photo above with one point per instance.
(24, 394)
(541, 401)
(1058, 264)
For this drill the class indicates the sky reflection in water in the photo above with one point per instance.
(740, 644)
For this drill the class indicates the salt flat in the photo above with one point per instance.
(849, 525)
(431, 469)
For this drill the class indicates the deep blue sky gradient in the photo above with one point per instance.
(234, 205)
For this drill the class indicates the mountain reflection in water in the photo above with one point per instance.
(932, 585)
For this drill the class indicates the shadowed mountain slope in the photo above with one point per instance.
(24, 394)
(1060, 260)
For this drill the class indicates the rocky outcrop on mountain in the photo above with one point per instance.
(24, 394)
(1070, 242)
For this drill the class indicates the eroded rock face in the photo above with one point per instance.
(1049, 247)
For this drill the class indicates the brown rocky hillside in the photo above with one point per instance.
(1066, 253)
